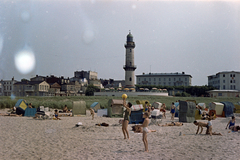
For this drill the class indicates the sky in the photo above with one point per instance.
(59, 37)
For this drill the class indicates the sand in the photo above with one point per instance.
(26, 138)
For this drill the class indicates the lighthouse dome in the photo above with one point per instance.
(129, 37)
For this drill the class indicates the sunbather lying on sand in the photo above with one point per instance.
(102, 124)
(171, 124)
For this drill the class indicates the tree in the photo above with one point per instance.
(90, 90)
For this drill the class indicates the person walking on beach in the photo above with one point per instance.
(92, 113)
(172, 111)
(126, 118)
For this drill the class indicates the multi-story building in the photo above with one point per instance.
(227, 80)
(31, 88)
(89, 75)
(165, 79)
(7, 87)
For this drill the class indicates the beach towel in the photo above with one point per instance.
(137, 107)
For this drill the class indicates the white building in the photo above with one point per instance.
(165, 79)
(7, 87)
(227, 80)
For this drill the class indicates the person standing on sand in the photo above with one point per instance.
(126, 118)
(146, 130)
(172, 111)
(92, 113)
(163, 109)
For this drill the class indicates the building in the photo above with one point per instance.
(86, 74)
(55, 89)
(6, 87)
(31, 88)
(223, 93)
(165, 79)
(129, 66)
(227, 80)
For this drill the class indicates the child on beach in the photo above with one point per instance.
(146, 130)
(209, 126)
(172, 111)
(163, 109)
(56, 115)
(92, 113)
(231, 123)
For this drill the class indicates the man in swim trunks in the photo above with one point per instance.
(172, 110)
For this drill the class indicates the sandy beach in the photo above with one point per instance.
(28, 139)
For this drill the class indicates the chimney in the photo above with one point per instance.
(183, 72)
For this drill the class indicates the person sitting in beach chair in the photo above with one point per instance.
(56, 115)
(172, 124)
(66, 110)
(92, 113)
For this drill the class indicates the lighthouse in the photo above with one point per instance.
(129, 66)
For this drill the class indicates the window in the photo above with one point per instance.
(130, 50)
(10, 88)
(231, 81)
(223, 75)
(169, 83)
(233, 75)
(144, 79)
(138, 79)
(219, 94)
(7, 87)
(223, 86)
(159, 83)
(234, 81)
(179, 79)
(154, 79)
(159, 79)
(231, 87)
(230, 75)
(185, 79)
(223, 81)
(174, 79)
(169, 79)
(234, 87)
(149, 79)
(164, 79)
(130, 79)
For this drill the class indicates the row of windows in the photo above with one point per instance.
(164, 83)
(231, 75)
(7, 83)
(43, 87)
(159, 79)
(231, 87)
(8, 88)
(216, 82)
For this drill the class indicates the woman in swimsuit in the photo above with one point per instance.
(172, 111)
(163, 109)
(231, 123)
(126, 118)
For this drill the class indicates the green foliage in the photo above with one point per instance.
(90, 90)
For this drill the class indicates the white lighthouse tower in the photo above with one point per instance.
(129, 66)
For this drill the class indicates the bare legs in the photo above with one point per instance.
(145, 142)
(124, 129)
(172, 118)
